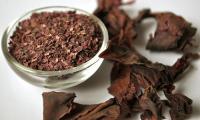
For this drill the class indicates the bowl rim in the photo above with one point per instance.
(12, 61)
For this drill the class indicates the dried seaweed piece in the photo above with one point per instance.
(173, 33)
(154, 74)
(122, 54)
(106, 5)
(182, 64)
(147, 115)
(119, 24)
(159, 75)
(122, 31)
(151, 105)
(124, 88)
(108, 110)
(61, 106)
(57, 105)
(181, 106)
(120, 27)
(127, 80)
(117, 69)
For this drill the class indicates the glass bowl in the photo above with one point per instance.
(55, 79)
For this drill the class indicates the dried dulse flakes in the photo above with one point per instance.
(173, 33)
(55, 40)
(61, 106)
(181, 105)
(135, 80)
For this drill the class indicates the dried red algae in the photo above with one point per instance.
(181, 105)
(55, 40)
(135, 80)
(173, 33)
(61, 106)
(128, 82)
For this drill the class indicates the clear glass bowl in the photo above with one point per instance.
(54, 79)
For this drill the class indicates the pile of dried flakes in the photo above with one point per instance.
(135, 80)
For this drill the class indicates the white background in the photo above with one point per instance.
(21, 101)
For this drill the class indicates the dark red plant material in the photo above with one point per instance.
(132, 72)
(182, 64)
(159, 75)
(135, 81)
(121, 28)
(154, 74)
(151, 105)
(181, 106)
(107, 5)
(128, 82)
(55, 40)
(173, 33)
(124, 88)
(104, 111)
(122, 31)
(57, 105)
(61, 106)
(116, 70)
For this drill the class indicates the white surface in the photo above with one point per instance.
(22, 101)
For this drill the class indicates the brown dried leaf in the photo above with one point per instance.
(173, 32)
(107, 5)
(182, 64)
(104, 111)
(159, 75)
(120, 26)
(151, 105)
(57, 105)
(181, 106)
(153, 74)
(122, 86)
(124, 89)
(61, 106)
